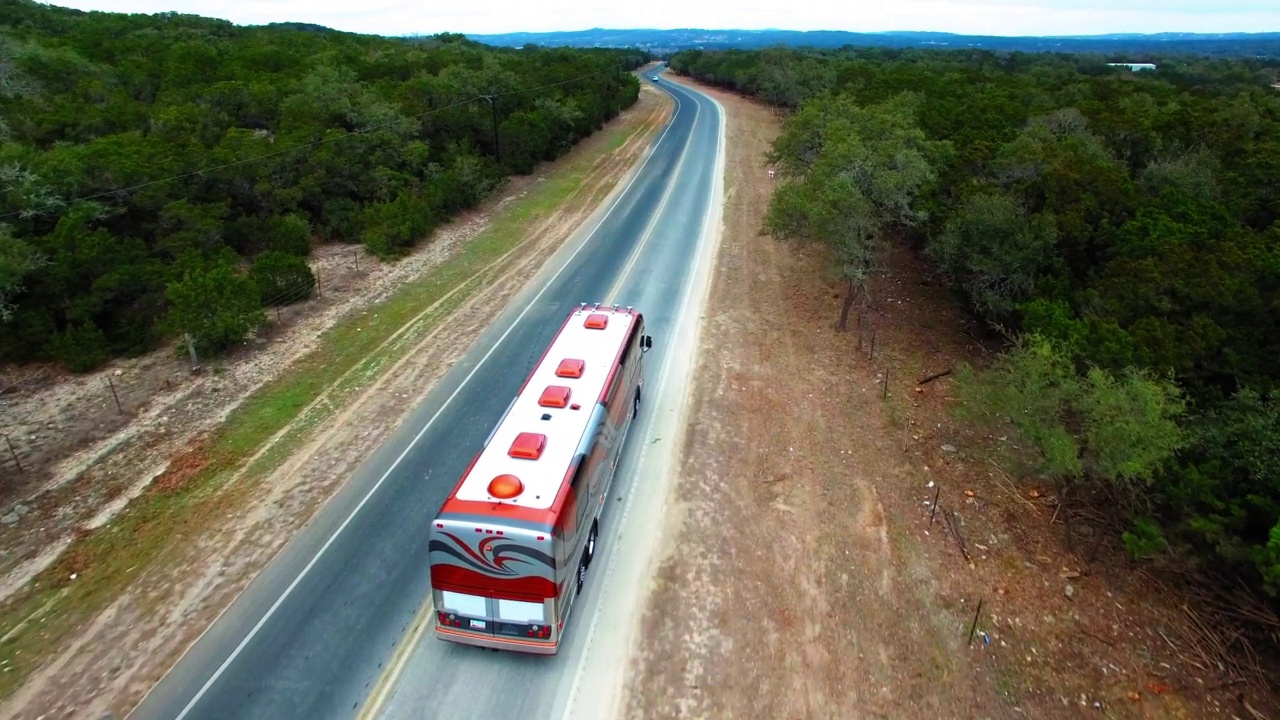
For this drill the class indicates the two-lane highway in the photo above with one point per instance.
(334, 625)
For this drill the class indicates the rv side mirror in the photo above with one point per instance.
(648, 341)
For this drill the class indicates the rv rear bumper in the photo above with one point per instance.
(535, 647)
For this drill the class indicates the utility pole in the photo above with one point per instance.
(497, 147)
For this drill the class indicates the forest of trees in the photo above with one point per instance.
(1118, 228)
(168, 174)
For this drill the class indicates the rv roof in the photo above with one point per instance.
(583, 339)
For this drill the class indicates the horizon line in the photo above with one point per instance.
(1074, 36)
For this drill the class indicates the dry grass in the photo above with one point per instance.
(805, 579)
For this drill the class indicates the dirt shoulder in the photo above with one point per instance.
(803, 577)
(105, 660)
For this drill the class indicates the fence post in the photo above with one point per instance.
(191, 350)
(14, 454)
(115, 395)
(974, 626)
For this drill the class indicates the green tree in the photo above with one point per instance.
(1130, 425)
(853, 185)
(81, 347)
(996, 251)
(217, 304)
(194, 135)
(1228, 493)
(1130, 220)
(1057, 168)
(185, 226)
(17, 260)
(1118, 429)
(282, 278)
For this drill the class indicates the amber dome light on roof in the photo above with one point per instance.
(528, 446)
(556, 396)
(505, 487)
(570, 368)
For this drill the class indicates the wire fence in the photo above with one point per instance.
(28, 448)
(26, 454)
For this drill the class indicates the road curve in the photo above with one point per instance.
(335, 626)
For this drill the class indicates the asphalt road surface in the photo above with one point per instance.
(339, 624)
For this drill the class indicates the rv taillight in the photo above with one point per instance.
(439, 525)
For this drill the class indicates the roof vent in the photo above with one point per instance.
(528, 446)
(596, 321)
(505, 487)
(570, 368)
(556, 396)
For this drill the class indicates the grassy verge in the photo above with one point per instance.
(196, 492)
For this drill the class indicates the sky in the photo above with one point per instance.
(970, 17)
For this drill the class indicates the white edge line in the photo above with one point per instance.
(288, 590)
(627, 269)
(680, 409)
(388, 680)
(392, 675)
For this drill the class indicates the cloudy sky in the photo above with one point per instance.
(990, 17)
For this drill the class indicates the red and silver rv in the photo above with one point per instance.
(510, 547)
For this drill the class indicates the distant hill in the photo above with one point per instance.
(300, 27)
(667, 41)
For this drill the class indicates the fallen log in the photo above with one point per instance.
(935, 376)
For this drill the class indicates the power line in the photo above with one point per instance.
(302, 146)
(557, 84)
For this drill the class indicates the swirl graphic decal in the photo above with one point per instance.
(502, 553)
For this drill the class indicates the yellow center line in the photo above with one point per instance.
(424, 620)
(612, 296)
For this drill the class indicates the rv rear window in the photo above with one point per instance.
(463, 604)
(520, 612)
